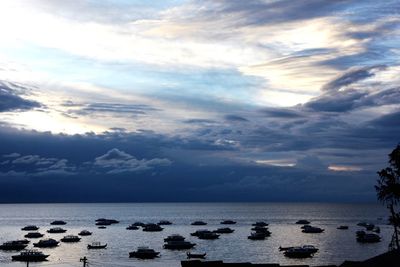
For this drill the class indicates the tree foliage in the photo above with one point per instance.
(388, 192)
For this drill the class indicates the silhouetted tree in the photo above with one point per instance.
(388, 192)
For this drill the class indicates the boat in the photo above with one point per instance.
(208, 235)
(164, 222)
(261, 224)
(368, 238)
(370, 227)
(261, 230)
(139, 224)
(58, 223)
(70, 239)
(228, 222)
(102, 227)
(96, 245)
(30, 228)
(179, 245)
(103, 221)
(33, 235)
(343, 227)
(198, 232)
(30, 256)
(174, 237)
(311, 248)
(151, 227)
(132, 227)
(84, 233)
(144, 253)
(299, 252)
(22, 241)
(198, 223)
(226, 230)
(13, 245)
(312, 230)
(191, 255)
(56, 230)
(302, 222)
(46, 243)
(257, 236)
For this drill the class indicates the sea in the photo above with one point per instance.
(334, 245)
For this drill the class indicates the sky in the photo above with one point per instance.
(181, 100)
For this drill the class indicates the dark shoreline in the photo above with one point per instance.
(388, 259)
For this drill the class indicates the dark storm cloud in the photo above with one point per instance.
(199, 121)
(11, 99)
(282, 113)
(351, 76)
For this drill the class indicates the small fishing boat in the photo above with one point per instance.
(30, 228)
(30, 255)
(33, 235)
(192, 255)
(139, 224)
(96, 245)
(343, 227)
(198, 223)
(102, 227)
(56, 230)
(103, 221)
(84, 233)
(12, 245)
(22, 241)
(368, 238)
(46, 243)
(144, 253)
(58, 223)
(70, 239)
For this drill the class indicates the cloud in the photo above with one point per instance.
(10, 100)
(12, 155)
(117, 161)
(234, 118)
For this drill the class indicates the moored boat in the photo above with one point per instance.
(343, 227)
(33, 235)
(30, 256)
(179, 245)
(228, 222)
(225, 230)
(164, 222)
(261, 224)
(84, 233)
(299, 252)
(96, 245)
(174, 237)
(46, 243)
(368, 238)
(58, 223)
(257, 236)
(30, 228)
(70, 239)
(198, 223)
(302, 222)
(312, 230)
(144, 253)
(192, 255)
(151, 227)
(56, 230)
(132, 227)
(13, 245)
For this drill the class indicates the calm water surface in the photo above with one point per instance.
(335, 245)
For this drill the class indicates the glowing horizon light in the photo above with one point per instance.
(277, 162)
(342, 168)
